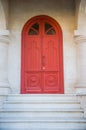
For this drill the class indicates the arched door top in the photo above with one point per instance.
(38, 18)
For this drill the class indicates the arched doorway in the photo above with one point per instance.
(42, 58)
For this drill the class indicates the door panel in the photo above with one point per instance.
(51, 82)
(50, 52)
(33, 82)
(33, 65)
(50, 66)
(33, 54)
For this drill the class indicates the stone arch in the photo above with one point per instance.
(3, 20)
(81, 16)
(77, 12)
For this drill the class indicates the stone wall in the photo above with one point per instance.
(64, 13)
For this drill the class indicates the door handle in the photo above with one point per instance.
(43, 60)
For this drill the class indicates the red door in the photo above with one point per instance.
(42, 57)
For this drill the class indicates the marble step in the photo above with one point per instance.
(43, 112)
(41, 123)
(43, 129)
(41, 104)
(42, 97)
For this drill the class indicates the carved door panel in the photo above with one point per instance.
(50, 65)
(50, 59)
(33, 65)
(33, 75)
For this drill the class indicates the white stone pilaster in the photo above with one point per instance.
(81, 64)
(4, 41)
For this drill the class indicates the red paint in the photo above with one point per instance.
(42, 56)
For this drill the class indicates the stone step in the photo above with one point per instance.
(42, 129)
(42, 97)
(41, 104)
(41, 123)
(43, 112)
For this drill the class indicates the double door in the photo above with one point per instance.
(41, 59)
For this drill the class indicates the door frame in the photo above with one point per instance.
(24, 30)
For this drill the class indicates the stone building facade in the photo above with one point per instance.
(71, 16)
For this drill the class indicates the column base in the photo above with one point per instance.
(81, 88)
(4, 85)
(4, 91)
(4, 88)
(82, 99)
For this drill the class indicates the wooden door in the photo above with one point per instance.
(42, 58)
